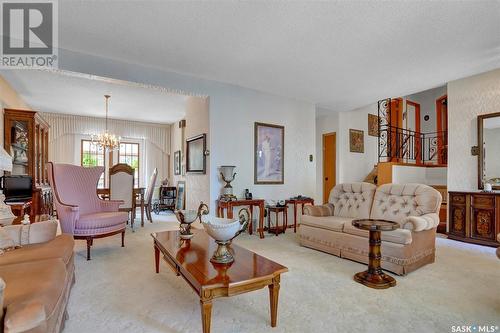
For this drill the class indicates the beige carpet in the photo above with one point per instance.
(118, 291)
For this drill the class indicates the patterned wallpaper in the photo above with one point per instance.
(468, 98)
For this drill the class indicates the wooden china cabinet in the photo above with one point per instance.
(474, 217)
(26, 137)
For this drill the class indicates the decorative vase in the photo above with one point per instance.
(223, 231)
(227, 174)
(187, 217)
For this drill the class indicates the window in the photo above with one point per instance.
(129, 154)
(91, 156)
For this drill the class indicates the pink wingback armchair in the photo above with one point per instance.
(80, 211)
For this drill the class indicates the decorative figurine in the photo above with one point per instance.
(26, 219)
(248, 195)
(187, 217)
(227, 175)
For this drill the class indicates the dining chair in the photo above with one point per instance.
(80, 211)
(121, 187)
(148, 203)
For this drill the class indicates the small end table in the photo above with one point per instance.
(374, 277)
(277, 210)
(295, 202)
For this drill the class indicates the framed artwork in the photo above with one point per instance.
(196, 160)
(373, 125)
(356, 141)
(269, 150)
(177, 162)
(181, 195)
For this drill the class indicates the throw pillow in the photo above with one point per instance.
(6, 242)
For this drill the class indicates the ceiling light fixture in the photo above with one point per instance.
(106, 141)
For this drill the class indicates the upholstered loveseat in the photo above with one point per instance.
(415, 207)
(35, 279)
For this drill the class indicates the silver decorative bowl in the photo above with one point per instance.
(223, 231)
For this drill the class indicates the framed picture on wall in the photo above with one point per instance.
(196, 159)
(269, 150)
(356, 141)
(373, 125)
(177, 162)
(181, 195)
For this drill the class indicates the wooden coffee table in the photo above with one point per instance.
(374, 277)
(191, 260)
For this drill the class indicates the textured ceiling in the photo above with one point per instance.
(82, 95)
(337, 54)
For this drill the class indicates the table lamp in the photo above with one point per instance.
(5, 165)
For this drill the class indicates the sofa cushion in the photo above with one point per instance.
(398, 236)
(396, 202)
(42, 281)
(101, 220)
(353, 200)
(334, 223)
(59, 247)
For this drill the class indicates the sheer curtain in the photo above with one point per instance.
(66, 132)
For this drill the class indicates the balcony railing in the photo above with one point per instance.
(406, 146)
(401, 145)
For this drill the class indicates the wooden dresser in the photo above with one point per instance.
(474, 217)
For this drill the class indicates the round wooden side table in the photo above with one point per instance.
(374, 277)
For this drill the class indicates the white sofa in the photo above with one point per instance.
(415, 207)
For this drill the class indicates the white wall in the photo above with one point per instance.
(326, 122)
(233, 111)
(403, 174)
(468, 98)
(427, 101)
(354, 167)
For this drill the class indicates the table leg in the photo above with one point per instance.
(142, 209)
(294, 217)
(206, 315)
(276, 222)
(261, 220)
(157, 259)
(250, 224)
(286, 219)
(229, 212)
(374, 277)
(274, 290)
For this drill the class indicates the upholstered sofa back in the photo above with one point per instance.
(352, 200)
(396, 202)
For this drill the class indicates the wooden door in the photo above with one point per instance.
(413, 124)
(329, 164)
(442, 128)
(396, 124)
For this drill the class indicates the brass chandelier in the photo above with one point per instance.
(106, 141)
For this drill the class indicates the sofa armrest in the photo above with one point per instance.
(420, 223)
(111, 205)
(25, 316)
(319, 210)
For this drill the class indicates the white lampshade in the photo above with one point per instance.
(5, 160)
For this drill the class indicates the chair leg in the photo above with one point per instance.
(132, 216)
(123, 238)
(89, 244)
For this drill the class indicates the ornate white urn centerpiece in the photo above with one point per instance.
(223, 231)
(187, 217)
(227, 174)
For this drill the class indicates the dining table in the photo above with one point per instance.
(139, 192)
